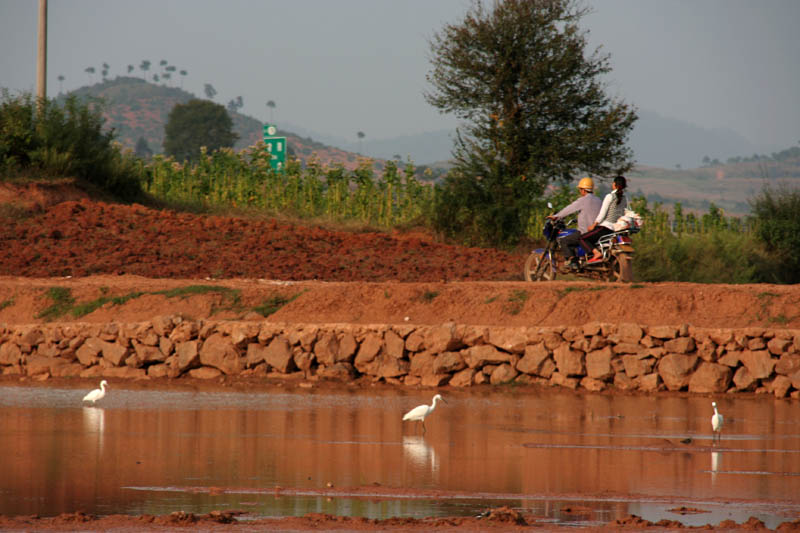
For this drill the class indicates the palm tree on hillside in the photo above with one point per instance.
(360, 136)
(271, 106)
(89, 71)
(130, 68)
(145, 66)
(183, 75)
(60, 83)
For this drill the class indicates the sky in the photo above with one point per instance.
(338, 67)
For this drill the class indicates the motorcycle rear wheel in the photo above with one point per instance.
(620, 268)
(538, 267)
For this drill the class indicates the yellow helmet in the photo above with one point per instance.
(586, 183)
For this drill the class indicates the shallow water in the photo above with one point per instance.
(580, 458)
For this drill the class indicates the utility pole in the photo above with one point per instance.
(41, 64)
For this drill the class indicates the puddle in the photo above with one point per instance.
(573, 458)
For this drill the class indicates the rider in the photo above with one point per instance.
(613, 207)
(589, 206)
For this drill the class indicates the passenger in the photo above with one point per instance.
(613, 207)
(587, 206)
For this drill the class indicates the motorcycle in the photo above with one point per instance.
(544, 264)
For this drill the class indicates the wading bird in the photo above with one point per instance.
(420, 412)
(96, 394)
(716, 423)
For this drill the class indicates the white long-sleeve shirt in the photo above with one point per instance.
(606, 219)
(588, 205)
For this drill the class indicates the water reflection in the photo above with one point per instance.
(420, 453)
(716, 462)
(158, 450)
(94, 424)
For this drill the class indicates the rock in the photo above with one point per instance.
(788, 364)
(547, 368)
(415, 342)
(511, 340)
(730, 359)
(347, 347)
(204, 372)
(675, 370)
(778, 346)
(680, 345)
(781, 386)
(759, 363)
(744, 380)
(326, 348)
(569, 362)
(463, 378)
(188, 355)
(591, 384)
(394, 345)
(662, 332)
(795, 379)
(634, 366)
(338, 372)
(629, 348)
(710, 377)
(218, 352)
(629, 333)
(37, 364)
(422, 363)
(484, 354)
(448, 362)
(504, 373)
(443, 338)
(184, 332)
(623, 382)
(124, 372)
(158, 371)
(598, 364)
(370, 347)
(89, 351)
(434, 380)
(561, 380)
(255, 354)
(279, 355)
(303, 360)
(388, 366)
(10, 354)
(147, 353)
(534, 355)
(648, 382)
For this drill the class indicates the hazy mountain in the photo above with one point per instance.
(656, 141)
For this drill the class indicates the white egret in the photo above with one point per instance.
(96, 394)
(716, 423)
(420, 412)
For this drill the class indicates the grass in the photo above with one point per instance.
(516, 301)
(272, 304)
(491, 299)
(567, 290)
(6, 303)
(428, 296)
(62, 302)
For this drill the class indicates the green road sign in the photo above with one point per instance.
(276, 146)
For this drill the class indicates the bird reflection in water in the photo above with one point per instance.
(94, 424)
(420, 453)
(716, 463)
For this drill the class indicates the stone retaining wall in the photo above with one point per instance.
(594, 356)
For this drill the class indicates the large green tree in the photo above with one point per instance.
(533, 107)
(195, 124)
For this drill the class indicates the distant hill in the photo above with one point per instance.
(136, 108)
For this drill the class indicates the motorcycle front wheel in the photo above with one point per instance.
(538, 267)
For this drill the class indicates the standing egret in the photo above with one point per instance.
(96, 394)
(716, 423)
(420, 412)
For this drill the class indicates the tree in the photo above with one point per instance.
(104, 72)
(534, 111)
(360, 136)
(776, 213)
(60, 82)
(142, 149)
(210, 91)
(89, 71)
(145, 66)
(183, 75)
(130, 68)
(271, 106)
(195, 124)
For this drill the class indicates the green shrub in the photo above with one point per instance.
(776, 213)
(63, 141)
